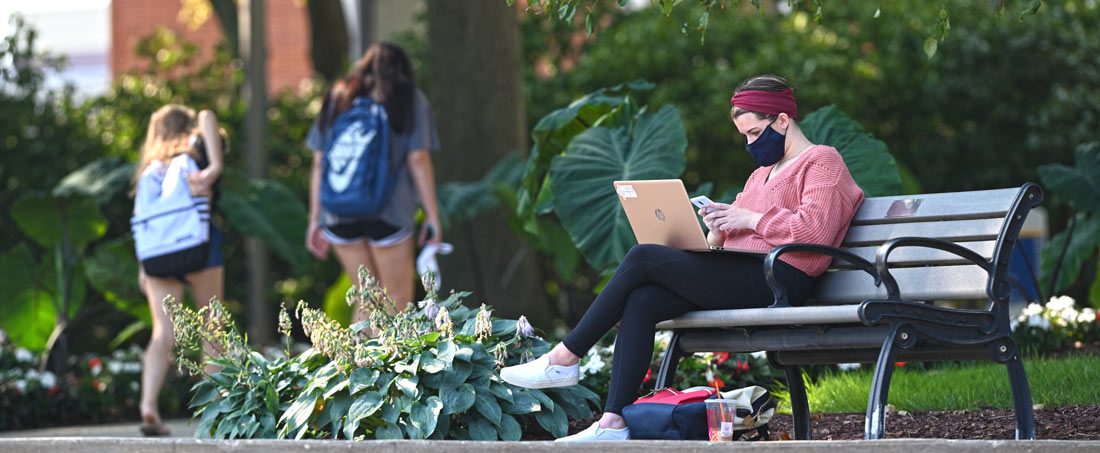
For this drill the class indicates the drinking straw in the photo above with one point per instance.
(721, 413)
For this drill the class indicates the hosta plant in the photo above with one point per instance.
(428, 371)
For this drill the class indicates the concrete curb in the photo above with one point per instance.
(126, 445)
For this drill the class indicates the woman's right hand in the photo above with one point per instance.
(315, 242)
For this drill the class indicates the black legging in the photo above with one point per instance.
(655, 283)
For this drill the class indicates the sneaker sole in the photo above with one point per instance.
(550, 383)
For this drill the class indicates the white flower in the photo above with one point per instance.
(1031, 309)
(134, 386)
(23, 355)
(759, 354)
(661, 340)
(97, 369)
(3, 336)
(114, 367)
(710, 375)
(32, 375)
(848, 366)
(1038, 321)
(20, 385)
(1013, 325)
(593, 363)
(48, 380)
(1086, 315)
(1060, 303)
(132, 367)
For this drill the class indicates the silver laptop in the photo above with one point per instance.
(660, 212)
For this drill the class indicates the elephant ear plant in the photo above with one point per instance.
(430, 372)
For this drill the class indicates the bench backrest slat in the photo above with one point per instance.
(948, 230)
(915, 283)
(938, 206)
(911, 256)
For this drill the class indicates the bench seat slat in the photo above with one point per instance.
(957, 205)
(915, 283)
(948, 230)
(779, 316)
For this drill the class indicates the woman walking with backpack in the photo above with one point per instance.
(372, 146)
(181, 164)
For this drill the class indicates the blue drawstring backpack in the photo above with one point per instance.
(357, 175)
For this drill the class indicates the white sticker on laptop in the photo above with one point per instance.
(626, 191)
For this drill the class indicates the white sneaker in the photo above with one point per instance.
(595, 433)
(540, 374)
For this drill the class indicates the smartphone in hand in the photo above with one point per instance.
(701, 201)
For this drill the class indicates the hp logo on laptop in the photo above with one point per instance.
(660, 214)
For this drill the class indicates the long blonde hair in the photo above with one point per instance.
(170, 130)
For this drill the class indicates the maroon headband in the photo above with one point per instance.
(767, 102)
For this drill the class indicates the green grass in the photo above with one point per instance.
(1054, 382)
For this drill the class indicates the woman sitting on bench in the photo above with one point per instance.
(802, 193)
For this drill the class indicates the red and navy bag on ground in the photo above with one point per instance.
(682, 415)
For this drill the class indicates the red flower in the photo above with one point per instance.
(94, 362)
(54, 390)
(717, 382)
(899, 364)
(742, 367)
(648, 374)
(721, 357)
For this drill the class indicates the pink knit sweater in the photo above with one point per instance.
(810, 201)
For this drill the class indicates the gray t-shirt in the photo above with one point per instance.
(421, 134)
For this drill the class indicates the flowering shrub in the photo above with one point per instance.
(431, 372)
(704, 368)
(95, 389)
(1054, 327)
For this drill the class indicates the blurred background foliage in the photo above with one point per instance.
(1000, 98)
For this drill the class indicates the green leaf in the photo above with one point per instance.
(1031, 10)
(588, 24)
(1078, 185)
(408, 386)
(1083, 243)
(553, 421)
(509, 429)
(270, 212)
(545, 401)
(297, 416)
(460, 202)
(457, 399)
(581, 179)
(364, 406)
(390, 431)
(338, 407)
(522, 404)
(46, 219)
(930, 46)
(362, 378)
(112, 270)
(424, 417)
(502, 391)
(867, 158)
(482, 430)
(390, 413)
(336, 305)
(100, 179)
(486, 405)
(460, 371)
(205, 392)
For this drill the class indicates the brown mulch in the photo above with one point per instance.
(1066, 423)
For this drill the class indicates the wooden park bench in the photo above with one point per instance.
(879, 300)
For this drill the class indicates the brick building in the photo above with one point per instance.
(287, 30)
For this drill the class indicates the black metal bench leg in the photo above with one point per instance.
(1021, 397)
(800, 407)
(874, 423)
(670, 362)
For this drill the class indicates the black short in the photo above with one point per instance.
(377, 232)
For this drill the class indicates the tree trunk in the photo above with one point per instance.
(226, 10)
(253, 51)
(477, 97)
(328, 38)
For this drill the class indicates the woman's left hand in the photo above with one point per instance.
(430, 233)
(727, 217)
(202, 182)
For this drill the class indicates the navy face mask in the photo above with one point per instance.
(768, 147)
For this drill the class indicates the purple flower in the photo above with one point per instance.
(523, 328)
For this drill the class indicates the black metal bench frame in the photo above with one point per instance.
(888, 329)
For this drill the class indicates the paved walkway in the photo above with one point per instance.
(179, 428)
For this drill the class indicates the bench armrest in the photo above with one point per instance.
(780, 293)
(883, 255)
